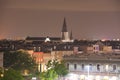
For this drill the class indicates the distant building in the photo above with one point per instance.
(1, 59)
(42, 39)
(42, 58)
(64, 36)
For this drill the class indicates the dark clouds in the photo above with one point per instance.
(87, 18)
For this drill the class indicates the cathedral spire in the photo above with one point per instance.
(63, 37)
(71, 36)
(64, 29)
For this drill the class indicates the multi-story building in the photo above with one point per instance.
(94, 66)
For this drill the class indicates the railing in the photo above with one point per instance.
(96, 73)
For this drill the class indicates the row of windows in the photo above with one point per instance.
(90, 67)
(39, 48)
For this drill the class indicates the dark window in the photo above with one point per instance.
(98, 67)
(82, 66)
(68, 66)
(114, 67)
(75, 66)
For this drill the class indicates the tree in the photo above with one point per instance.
(61, 69)
(12, 75)
(48, 75)
(58, 66)
(19, 60)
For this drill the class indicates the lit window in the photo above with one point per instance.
(54, 47)
(107, 66)
(34, 48)
(39, 48)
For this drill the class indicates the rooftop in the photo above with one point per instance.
(94, 57)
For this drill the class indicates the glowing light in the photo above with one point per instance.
(47, 39)
(82, 77)
(114, 78)
(2, 75)
(97, 77)
(118, 39)
(34, 78)
(106, 77)
(106, 67)
(26, 72)
(103, 40)
(72, 76)
(114, 39)
(88, 70)
(39, 67)
(90, 77)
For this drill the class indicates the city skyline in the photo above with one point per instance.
(87, 19)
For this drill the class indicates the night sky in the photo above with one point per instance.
(89, 19)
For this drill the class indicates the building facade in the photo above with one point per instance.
(1, 59)
(96, 66)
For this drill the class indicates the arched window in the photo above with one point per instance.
(114, 67)
(98, 67)
(75, 66)
(68, 66)
(90, 67)
(39, 49)
(34, 48)
(83, 66)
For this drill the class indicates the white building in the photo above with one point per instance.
(94, 66)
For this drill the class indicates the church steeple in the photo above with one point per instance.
(71, 36)
(64, 29)
(64, 34)
(63, 37)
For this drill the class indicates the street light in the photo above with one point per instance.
(107, 69)
(88, 71)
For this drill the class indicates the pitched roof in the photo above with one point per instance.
(42, 38)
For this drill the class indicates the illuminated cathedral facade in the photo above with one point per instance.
(65, 34)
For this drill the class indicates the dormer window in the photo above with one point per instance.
(47, 39)
(54, 47)
(64, 47)
(34, 48)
